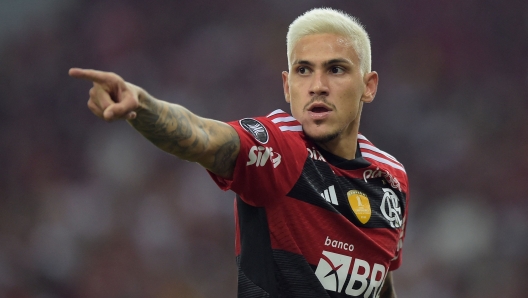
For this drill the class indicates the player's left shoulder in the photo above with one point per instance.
(383, 161)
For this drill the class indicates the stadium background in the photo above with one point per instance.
(90, 209)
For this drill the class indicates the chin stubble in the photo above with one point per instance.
(325, 138)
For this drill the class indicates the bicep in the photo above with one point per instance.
(221, 149)
(176, 130)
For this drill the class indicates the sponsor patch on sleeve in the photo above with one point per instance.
(255, 128)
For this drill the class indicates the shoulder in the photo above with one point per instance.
(383, 161)
(284, 121)
(274, 127)
(276, 120)
(271, 157)
(277, 136)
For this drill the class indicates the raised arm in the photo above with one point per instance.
(171, 127)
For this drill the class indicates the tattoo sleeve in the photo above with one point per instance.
(174, 129)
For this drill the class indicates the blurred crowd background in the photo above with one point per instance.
(91, 209)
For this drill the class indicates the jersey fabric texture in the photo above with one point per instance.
(309, 223)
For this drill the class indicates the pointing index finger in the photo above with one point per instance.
(95, 76)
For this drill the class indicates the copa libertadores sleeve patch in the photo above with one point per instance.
(255, 128)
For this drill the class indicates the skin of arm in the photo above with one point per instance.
(387, 291)
(213, 144)
(174, 129)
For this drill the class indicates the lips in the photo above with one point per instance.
(319, 111)
(319, 108)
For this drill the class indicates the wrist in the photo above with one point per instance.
(143, 99)
(140, 95)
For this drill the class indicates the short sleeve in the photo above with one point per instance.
(268, 164)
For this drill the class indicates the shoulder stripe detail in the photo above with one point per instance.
(372, 148)
(291, 128)
(383, 160)
(362, 137)
(277, 111)
(283, 119)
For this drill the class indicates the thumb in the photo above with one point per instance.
(124, 109)
(108, 113)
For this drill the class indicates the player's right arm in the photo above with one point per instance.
(171, 127)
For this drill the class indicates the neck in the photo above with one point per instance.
(345, 144)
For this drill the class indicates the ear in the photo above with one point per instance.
(371, 86)
(286, 86)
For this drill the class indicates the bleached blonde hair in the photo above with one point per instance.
(328, 20)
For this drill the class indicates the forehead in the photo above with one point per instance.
(323, 47)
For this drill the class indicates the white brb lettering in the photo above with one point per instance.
(365, 280)
(377, 276)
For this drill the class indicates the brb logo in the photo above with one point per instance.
(365, 281)
(259, 155)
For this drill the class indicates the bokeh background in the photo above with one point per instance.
(91, 209)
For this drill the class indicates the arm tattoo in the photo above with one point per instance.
(225, 157)
(174, 129)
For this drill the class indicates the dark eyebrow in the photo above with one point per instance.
(337, 61)
(326, 64)
(303, 62)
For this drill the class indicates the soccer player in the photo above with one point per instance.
(320, 211)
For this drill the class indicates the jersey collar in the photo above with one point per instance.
(346, 164)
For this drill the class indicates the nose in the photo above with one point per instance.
(319, 84)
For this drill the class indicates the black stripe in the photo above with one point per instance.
(256, 266)
(297, 278)
(317, 176)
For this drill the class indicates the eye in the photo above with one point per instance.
(302, 70)
(337, 69)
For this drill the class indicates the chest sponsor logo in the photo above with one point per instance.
(365, 280)
(377, 173)
(329, 195)
(360, 204)
(259, 156)
(390, 208)
(256, 128)
(339, 244)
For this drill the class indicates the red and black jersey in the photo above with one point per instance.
(309, 223)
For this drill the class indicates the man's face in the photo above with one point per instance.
(325, 87)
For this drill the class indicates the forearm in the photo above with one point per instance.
(173, 128)
(178, 131)
(170, 127)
